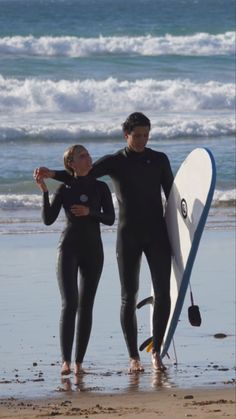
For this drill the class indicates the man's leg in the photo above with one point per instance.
(158, 255)
(129, 258)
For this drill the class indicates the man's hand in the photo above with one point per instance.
(79, 210)
(43, 172)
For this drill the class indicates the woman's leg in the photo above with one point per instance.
(91, 264)
(67, 271)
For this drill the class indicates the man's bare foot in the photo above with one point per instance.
(135, 365)
(65, 369)
(157, 362)
(78, 368)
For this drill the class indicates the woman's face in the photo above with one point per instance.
(82, 162)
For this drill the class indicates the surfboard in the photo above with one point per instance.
(186, 213)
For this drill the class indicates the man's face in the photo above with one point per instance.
(138, 138)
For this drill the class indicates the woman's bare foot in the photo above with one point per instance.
(135, 365)
(157, 362)
(65, 369)
(78, 368)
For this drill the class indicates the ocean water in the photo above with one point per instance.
(72, 70)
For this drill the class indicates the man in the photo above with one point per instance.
(138, 174)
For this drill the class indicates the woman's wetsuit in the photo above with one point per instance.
(80, 248)
(138, 179)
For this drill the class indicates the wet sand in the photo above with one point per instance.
(200, 385)
(209, 404)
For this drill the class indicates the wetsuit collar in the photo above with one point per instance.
(82, 178)
(131, 153)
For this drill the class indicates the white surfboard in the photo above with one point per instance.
(186, 213)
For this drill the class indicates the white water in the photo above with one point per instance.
(200, 44)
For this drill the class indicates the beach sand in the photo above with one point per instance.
(200, 385)
(210, 404)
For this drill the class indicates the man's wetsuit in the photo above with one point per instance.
(138, 179)
(80, 248)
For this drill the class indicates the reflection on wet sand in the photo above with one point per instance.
(160, 379)
(135, 381)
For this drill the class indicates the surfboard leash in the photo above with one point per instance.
(175, 353)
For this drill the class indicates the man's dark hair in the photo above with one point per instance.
(136, 119)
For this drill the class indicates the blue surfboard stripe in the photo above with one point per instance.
(191, 258)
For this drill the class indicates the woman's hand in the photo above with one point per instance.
(43, 172)
(41, 184)
(79, 210)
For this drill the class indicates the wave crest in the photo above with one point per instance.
(164, 129)
(34, 201)
(200, 44)
(33, 95)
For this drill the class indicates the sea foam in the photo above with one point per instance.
(34, 201)
(34, 95)
(105, 131)
(199, 44)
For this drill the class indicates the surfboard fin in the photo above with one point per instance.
(194, 315)
(145, 301)
(146, 343)
(149, 347)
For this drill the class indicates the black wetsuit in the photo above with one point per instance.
(80, 248)
(138, 179)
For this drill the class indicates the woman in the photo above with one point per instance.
(86, 202)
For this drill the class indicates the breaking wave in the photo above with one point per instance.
(199, 44)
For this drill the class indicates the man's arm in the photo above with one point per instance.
(44, 172)
(167, 177)
(101, 167)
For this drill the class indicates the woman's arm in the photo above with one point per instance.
(51, 211)
(107, 215)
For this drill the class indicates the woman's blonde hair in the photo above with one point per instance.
(69, 156)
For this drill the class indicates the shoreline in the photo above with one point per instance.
(168, 403)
